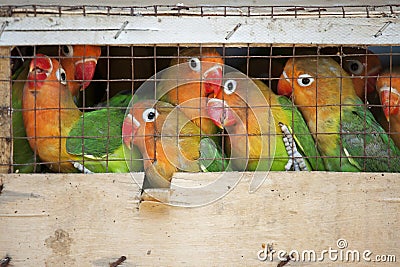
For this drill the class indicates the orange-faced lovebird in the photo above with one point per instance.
(388, 88)
(65, 139)
(347, 134)
(169, 142)
(80, 64)
(239, 103)
(198, 75)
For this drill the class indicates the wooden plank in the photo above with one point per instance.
(144, 30)
(90, 220)
(5, 111)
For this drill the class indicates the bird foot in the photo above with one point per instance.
(82, 168)
(295, 158)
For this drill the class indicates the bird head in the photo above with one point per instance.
(43, 69)
(145, 121)
(388, 88)
(138, 122)
(204, 64)
(82, 60)
(315, 81)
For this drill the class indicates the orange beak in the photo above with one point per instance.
(213, 80)
(39, 69)
(84, 71)
(130, 127)
(284, 87)
(390, 99)
(220, 113)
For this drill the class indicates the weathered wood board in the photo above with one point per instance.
(91, 220)
(5, 111)
(148, 30)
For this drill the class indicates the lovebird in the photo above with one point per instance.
(65, 139)
(169, 142)
(192, 77)
(347, 135)
(23, 156)
(388, 88)
(238, 107)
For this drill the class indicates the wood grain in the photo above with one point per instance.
(92, 220)
(167, 30)
(5, 111)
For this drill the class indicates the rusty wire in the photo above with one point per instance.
(270, 55)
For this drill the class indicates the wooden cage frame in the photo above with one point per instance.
(92, 220)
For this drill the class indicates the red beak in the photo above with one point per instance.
(284, 87)
(220, 113)
(129, 129)
(84, 71)
(213, 80)
(39, 69)
(390, 99)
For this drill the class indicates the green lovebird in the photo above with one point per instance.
(347, 135)
(242, 107)
(169, 142)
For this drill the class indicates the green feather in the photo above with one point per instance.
(102, 142)
(302, 135)
(366, 141)
(211, 158)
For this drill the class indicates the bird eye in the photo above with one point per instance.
(150, 114)
(61, 76)
(354, 66)
(194, 64)
(230, 87)
(305, 80)
(67, 50)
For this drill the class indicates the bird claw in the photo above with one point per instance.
(295, 158)
(82, 168)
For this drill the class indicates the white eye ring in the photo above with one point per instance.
(61, 76)
(150, 114)
(67, 50)
(305, 80)
(355, 67)
(194, 64)
(230, 87)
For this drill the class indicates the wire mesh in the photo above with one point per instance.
(269, 11)
(346, 98)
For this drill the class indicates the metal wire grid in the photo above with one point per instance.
(366, 11)
(157, 58)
